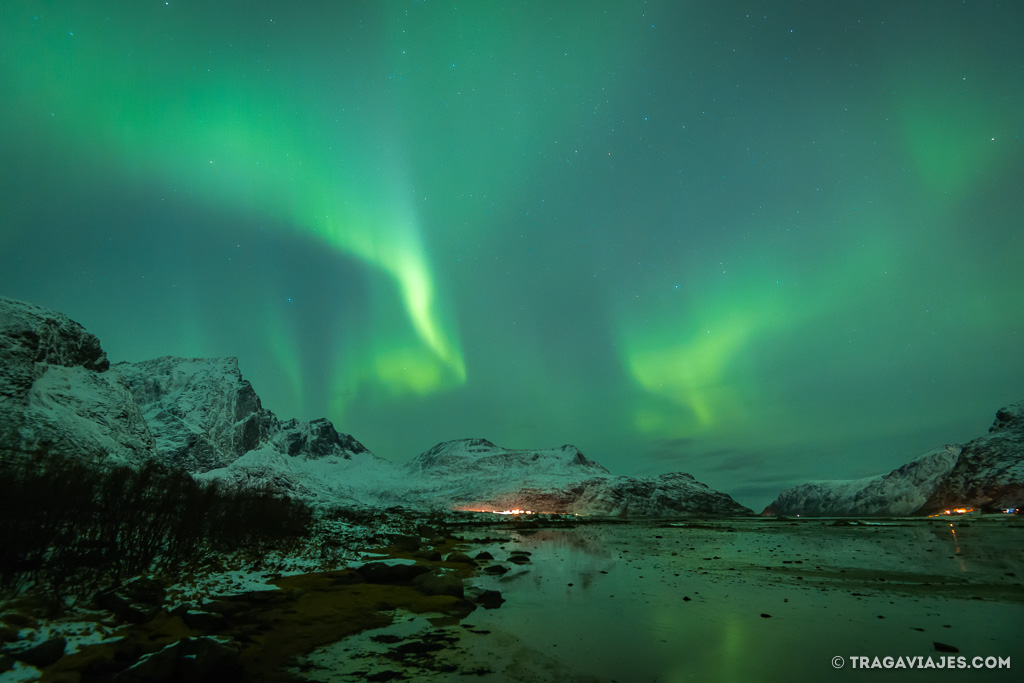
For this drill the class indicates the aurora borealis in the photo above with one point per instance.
(758, 242)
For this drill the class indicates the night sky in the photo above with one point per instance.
(760, 242)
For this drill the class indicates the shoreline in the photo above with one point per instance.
(298, 623)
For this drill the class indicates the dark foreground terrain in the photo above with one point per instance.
(722, 600)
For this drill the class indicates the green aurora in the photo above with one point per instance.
(762, 243)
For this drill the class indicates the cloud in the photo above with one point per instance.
(736, 461)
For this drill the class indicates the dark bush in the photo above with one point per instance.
(66, 524)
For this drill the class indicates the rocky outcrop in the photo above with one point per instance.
(201, 411)
(205, 416)
(986, 474)
(56, 394)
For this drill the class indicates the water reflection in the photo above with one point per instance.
(749, 601)
(762, 602)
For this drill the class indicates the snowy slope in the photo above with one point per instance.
(321, 481)
(900, 492)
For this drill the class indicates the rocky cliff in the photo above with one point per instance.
(56, 393)
(989, 474)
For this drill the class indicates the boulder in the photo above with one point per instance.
(490, 599)
(42, 654)
(200, 660)
(137, 601)
(403, 542)
(460, 558)
(379, 572)
(439, 584)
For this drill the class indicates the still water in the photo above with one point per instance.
(741, 600)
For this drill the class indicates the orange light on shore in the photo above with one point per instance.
(511, 511)
(953, 511)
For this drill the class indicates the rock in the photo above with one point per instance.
(379, 572)
(426, 531)
(42, 654)
(404, 542)
(443, 584)
(6, 663)
(201, 660)
(144, 590)
(123, 608)
(137, 601)
(484, 555)
(317, 439)
(346, 577)
(460, 558)
(20, 620)
(496, 569)
(205, 622)
(519, 559)
(942, 647)
(430, 555)
(490, 599)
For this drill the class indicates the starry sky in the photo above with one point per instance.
(760, 242)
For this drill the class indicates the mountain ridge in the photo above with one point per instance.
(59, 392)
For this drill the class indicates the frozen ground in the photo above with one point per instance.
(738, 600)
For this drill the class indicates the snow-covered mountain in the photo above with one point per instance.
(900, 492)
(475, 474)
(986, 473)
(209, 420)
(205, 416)
(58, 393)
